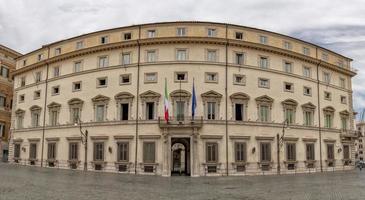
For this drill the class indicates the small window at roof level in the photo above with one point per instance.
(239, 35)
(127, 36)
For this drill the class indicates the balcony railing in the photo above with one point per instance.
(181, 121)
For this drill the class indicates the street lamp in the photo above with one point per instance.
(84, 137)
(280, 141)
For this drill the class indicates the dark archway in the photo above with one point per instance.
(180, 156)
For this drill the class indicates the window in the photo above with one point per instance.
(38, 77)
(2, 130)
(21, 98)
(56, 71)
(343, 100)
(4, 72)
(181, 76)
(342, 83)
(150, 110)
(77, 66)
(22, 81)
(151, 33)
(19, 119)
(308, 118)
(211, 152)
(346, 152)
(288, 67)
(75, 114)
(265, 152)
(104, 39)
(125, 79)
(55, 90)
(79, 44)
(2, 101)
(181, 31)
(328, 120)
(73, 151)
(16, 150)
(24, 62)
(309, 151)
(288, 87)
(37, 94)
(324, 56)
(239, 58)
(150, 77)
(212, 55)
(306, 51)
(326, 77)
(239, 35)
(263, 62)
(212, 32)
(35, 118)
(126, 58)
(53, 115)
(40, 57)
(33, 151)
(211, 77)
(264, 112)
(307, 72)
(57, 51)
(330, 152)
(263, 39)
(264, 83)
(124, 111)
(327, 96)
(240, 152)
(127, 36)
(211, 114)
(289, 115)
(149, 152)
(151, 56)
(239, 79)
(307, 91)
(344, 123)
(103, 61)
(287, 45)
(123, 151)
(51, 154)
(239, 111)
(100, 113)
(181, 54)
(291, 152)
(102, 82)
(98, 151)
(76, 86)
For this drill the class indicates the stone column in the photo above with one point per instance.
(166, 149)
(195, 152)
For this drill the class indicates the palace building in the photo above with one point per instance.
(264, 103)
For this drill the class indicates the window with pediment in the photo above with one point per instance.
(75, 106)
(264, 106)
(124, 102)
(239, 106)
(180, 100)
(308, 114)
(328, 113)
(344, 120)
(54, 113)
(150, 101)
(290, 107)
(100, 108)
(35, 112)
(19, 118)
(211, 103)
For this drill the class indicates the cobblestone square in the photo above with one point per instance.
(20, 182)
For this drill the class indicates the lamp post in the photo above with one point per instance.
(84, 137)
(279, 142)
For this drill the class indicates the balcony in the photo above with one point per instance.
(181, 122)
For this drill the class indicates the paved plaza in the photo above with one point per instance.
(23, 182)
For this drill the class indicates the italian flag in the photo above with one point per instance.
(166, 104)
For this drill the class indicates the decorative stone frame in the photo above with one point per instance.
(33, 141)
(216, 139)
(17, 142)
(124, 98)
(310, 163)
(55, 141)
(101, 100)
(76, 140)
(149, 139)
(243, 83)
(345, 115)
(175, 96)
(239, 139)
(260, 140)
(186, 54)
(330, 142)
(181, 72)
(291, 140)
(211, 73)
(149, 96)
(331, 111)
(211, 96)
(206, 52)
(239, 98)
(75, 103)
(149, 81)
(290, 104)
(308, 107)
(19, 113)
(35, 110)
(99, 139)
(128, 164)
(51, 108)
(264, 100)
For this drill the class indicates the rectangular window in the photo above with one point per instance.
(181, 76)
(180, 111)
(21, 98)
(239, 79)
(306, 51)
(104, 39)
(75, 115)
(102, 82)
(326, 77)
(287, 45)
(344, 123)
(307, 91)
(151, 56)
(2, 101)
(73, 151)
(123, 151)
(150, 77)
(124, 111)
(79, 45)
(239, 35)
(150, 110)
(181, 54)
(342, 83)
(51, 154)
(239, 58)
(346, 152)
(4, 72)
(239, 112)
(38, 77)
(290, 115)
(324, 56)
(127, 36)
(151, 33)
(211, 112)
(98, 151)
(264, 83)
(310, 151)
(330, 152)
(56, 90)
(20, 119)
(16, 150)
(2, 130)
(291, 152)
(264, 62)
(328, 120)
(54, 117)
(288, 87)
(126, 58)
(212, 55)
(149, 153)
(125, 79)
(77, 66)
(327, 96)
(100, 113)
(33, 151)
(288, 67)
(343, 100)
(264, 113)
(57, 51)
(37, 94)
(40, 57)
(181, 31)
(211, 152)
(308, 118)
(263, 39)
(56, 71)
(22, 81)
(211, 77)
(307, 72)
(24, 62)
(240, 152)
(265, 152)
(103, 61)
(76, 86)
(212, 32)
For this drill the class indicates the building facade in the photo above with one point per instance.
(7, 66)
(266, 103)
(360, 126)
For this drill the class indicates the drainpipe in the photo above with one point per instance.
(137, 98)
(319, 114)
(226, 95)
(45, 105)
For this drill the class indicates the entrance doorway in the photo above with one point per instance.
(180, 156)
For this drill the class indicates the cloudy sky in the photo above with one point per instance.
(335, 24)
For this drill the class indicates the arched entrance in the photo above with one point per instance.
(180, 156)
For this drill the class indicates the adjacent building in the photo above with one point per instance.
(266, 103)
(7, 66)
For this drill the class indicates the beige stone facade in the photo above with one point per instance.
(251, 86)
(7, 66)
